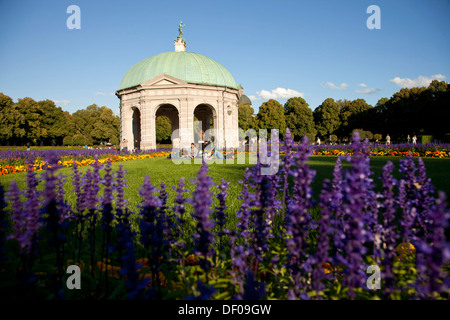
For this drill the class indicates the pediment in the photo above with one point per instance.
(163, 80)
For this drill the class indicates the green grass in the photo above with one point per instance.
(162, 169)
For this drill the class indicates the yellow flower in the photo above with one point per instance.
(405, 249)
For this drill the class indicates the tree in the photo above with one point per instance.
(163, 129)
(97, 124)
(35, 129)
(245, 116)
(353, 114)
(271, 116)
(299, 118)
(326, 117)
(57, 123)
(12, 121)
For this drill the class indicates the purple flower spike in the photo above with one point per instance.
(19, 221)
(120, 186)
(298, 217)
(219, 215)
(3, 225)
(433, 253)
(202, 201)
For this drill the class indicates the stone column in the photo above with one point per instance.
(148, 131)
(127, 127)
(186, 123)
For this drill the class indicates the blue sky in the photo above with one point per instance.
(274, 49)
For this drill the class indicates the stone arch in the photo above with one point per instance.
(171, 112)
(136, 127)
(205, 113)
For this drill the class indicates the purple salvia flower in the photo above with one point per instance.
(51, 180)
(336, 185)
(107, 211)
(241, 253)
(179, 206)
(413, 204)
(206, 291)
(65, 210)
(96, 179)
(433, 253)
(389, 235)
(272, 197)
(54, 216)
(88, 198)
(135, 287)
(425, 198)
(286, 164)
(244, 211)
(76, 181)
(152, 228)
(253, 289)
(202, 201)
(331, 203)
(108, 184)
(120, 186)
(19, 221)
(325, 231)
(148, 212)
(179, 209)
(164, 216)
(32, 204)
(219, 214)
(360, 216)
(258, 222)
(298, 217)
(3, 225)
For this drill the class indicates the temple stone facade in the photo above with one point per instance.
(180, 85)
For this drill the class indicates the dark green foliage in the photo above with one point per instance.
(43, 123)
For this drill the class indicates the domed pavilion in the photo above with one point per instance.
(182, 86)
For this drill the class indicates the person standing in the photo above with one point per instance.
(28, 146)
(414, 139)
(388, 139)
(194, 151)
(318, 141)
(408, 140)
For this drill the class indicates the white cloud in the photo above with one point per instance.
(331, 85)
(63, 102)
(278, 93)
(254, 98)
(362, 85)
(100, 93)
(367, 91)
(421, 81)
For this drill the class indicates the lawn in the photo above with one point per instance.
(162, 169)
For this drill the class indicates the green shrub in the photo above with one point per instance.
(68, 141)
(427, 139)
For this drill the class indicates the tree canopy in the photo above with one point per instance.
(299, 118)
(271, 116)
(43, 123)
(326, 117)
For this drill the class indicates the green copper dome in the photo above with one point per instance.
(188, 66)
